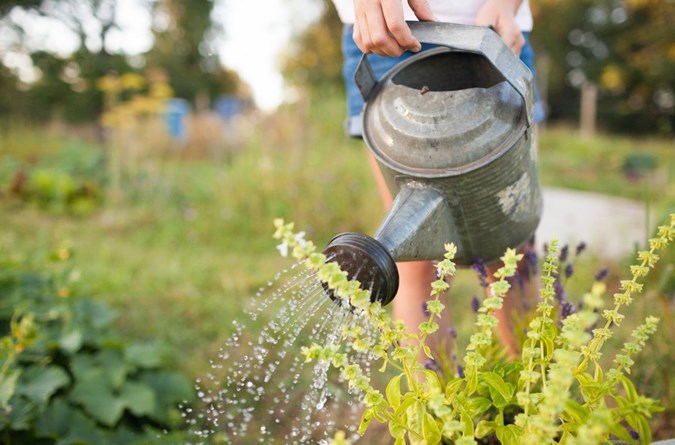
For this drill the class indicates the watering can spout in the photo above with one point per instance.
(418, 225)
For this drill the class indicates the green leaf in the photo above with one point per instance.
(146, 355)
(366, 418)
(170, 387)
(393, 392)
(478, 405)
(629, 388)
(71, 342)
(431, 432)
(8, 386)
(468, 424)
(433, 383)
(138, 398)
(509, 434)
(107, 365)
(500, 391)
(40, 383)
(22, 413)
(98, 400)
(54, 421)
(484, 428)
(453, 387)
(576, 412)
(82, 430)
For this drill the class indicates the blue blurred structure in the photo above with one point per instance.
(228, 107)
(174, 117)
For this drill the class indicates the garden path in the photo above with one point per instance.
(611, 227)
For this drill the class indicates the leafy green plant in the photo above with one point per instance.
(557, 392)
(66, 378)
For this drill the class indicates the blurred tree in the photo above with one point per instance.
(625, 47)
(66, 86)
(185, 48)
(315, 58)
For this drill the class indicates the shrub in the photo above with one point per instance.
(65, 377)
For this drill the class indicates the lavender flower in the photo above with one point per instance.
(602, 274)
(460, 371)
(425, 310)
(580, 248)
(564, 252)
(566, 309)
(531, 261)
(432, 365)
(569, 270)
(475, 304)
(452, 332)
(479, 267)
(634, 434)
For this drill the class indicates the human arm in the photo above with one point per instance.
(501, 14)
(380, 27)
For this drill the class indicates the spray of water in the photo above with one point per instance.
(260, 390)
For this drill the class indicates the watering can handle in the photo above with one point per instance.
(466, 38)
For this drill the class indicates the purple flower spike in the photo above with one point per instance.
(581, 247)
(569, 270)
(564, 252)
(634, 434)
(460, 371)
(432, 365)
(479, 267)
(531, 262)
(452, 332)
(475, 304)
(602, 274)
(566, 309)
(425, 310)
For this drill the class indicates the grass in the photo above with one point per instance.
(180, 255)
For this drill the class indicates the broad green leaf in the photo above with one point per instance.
(22, 414)
(146, 355)
(8, 386)
(400, 441)
(478, 405)
(396, 429)
(433, 383)
(432, 434)
(98, 401)
(54, 421)
(170, 387)
(484, 428)
(453, 387)
(71, 342)
(577, 413)
(468, 424)
(40, 383)
(500, 391)
(82, 430)
(138, 398)
(106, 365)
(393, 392)
(408, 400)
(509, 434)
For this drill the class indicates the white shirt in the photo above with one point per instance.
(450, 11)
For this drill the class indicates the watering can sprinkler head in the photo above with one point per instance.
(364, 259)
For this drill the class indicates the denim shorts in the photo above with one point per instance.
(352, 54)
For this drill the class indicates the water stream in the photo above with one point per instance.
(260, 390)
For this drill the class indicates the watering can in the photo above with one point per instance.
(452, 131)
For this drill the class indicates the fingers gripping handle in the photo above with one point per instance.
(475, 39)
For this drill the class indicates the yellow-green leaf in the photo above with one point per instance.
(393, 391)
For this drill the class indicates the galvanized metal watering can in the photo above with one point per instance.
(452, 131)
